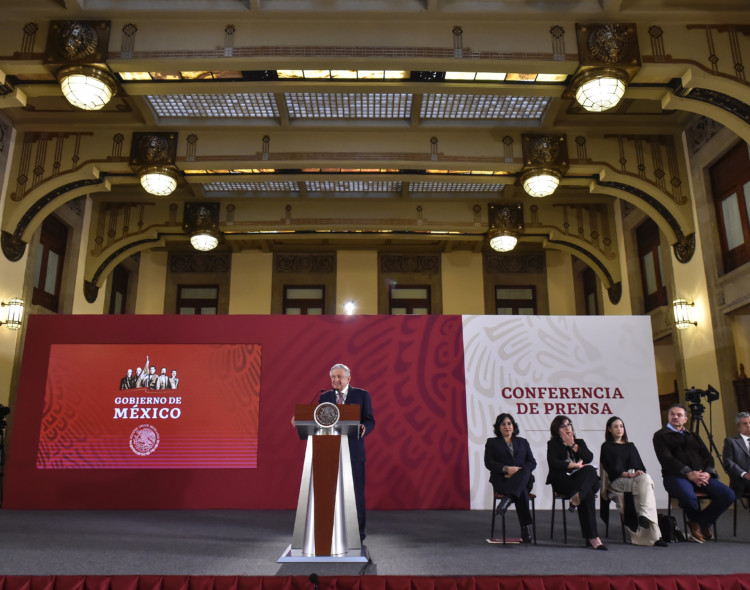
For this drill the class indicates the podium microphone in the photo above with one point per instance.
(316, 396)
(314, 580)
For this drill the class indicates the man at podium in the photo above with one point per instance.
(342, 393)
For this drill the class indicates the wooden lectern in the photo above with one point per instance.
(326, 527)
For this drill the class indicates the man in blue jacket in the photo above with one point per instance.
(342, 393)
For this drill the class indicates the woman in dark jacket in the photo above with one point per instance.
(509, 459)
(572, 476)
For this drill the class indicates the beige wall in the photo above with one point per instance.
(462, 283)
(357, 281)
(80, 239)
(250, 282)
(152, 282)
(560, 283)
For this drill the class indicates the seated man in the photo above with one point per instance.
(687, 467)
(737, 456)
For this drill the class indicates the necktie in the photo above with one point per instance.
(339, 398)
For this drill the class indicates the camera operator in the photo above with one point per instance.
(688, 467)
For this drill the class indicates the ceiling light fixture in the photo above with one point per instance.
(600, 89)
(159, 180)
(540, 182)
(503, 240)
(204, 241)
(87, 87)
(609, 58)
(14, 314)
(152, 157)
(201, 222)
(545, 159)
(506, 221)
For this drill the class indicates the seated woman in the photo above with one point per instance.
(572, 476)
(509, 459)
(623, 471)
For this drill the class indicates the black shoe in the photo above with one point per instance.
(505, 503)
(575, 500)
(601, 547)
(661, 543)
(526, 533)
(644, 522)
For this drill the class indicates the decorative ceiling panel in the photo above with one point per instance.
(455, 187)
(353, 186)
(284, 186)
(214, 106)
(483, 106)
(350, 105)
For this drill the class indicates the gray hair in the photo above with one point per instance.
(340, 366)
(740, 416)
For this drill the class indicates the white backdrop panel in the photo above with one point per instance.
(536, 367)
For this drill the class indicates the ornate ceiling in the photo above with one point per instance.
(368, 124)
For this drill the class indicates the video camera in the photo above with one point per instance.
(4, 411)
(694, 395)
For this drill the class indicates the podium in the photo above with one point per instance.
(326, 528)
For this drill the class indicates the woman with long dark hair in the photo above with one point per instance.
(509, 459)
(625, 472)
(572, 475)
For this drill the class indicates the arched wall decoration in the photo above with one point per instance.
(731, 105)
(684, 248)
(90, 288)
(614, 289)
(35, 209)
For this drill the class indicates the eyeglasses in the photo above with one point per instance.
(566, 425)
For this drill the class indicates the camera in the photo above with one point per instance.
(694, 395)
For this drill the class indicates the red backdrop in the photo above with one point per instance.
(413, 367)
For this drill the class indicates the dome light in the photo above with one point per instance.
(204, 241)
(87, 87)
(540, 182)
(159, 180)
(503, 241)
(600, 89)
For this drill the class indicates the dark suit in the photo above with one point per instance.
(737, 461)
(680, 453)
(357, 446)
(584, 481)
(496, 456)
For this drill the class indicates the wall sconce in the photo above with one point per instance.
(78, 50)
(609, 58)
(506, 221)
(545, 161)
(683, 314)
(201, 223)
(152, 157)
(350, 307)
(14, 314)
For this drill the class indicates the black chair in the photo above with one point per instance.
(700, 496)
(563, 499)
(604, 515)
(496, 498)
(745, 496)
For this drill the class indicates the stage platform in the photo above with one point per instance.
(401, 543)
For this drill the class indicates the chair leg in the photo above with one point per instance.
(735, 517)
(494, 506)
(622, 526)
(565, 522)
(552, 523)
(503, 520)
(533, 518)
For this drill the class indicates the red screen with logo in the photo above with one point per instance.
(150, 406)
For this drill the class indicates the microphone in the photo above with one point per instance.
(314, 578)
(316, 396)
